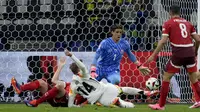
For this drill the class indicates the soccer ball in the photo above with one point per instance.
(152, 84)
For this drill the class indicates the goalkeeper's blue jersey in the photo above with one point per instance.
(110, 54)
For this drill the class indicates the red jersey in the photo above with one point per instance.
(179, 32)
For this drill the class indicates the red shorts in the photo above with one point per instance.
(61, 102)
(79, 100)
(174, 64)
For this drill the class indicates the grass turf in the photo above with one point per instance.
(89, 108)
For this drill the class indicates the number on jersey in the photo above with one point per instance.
(183, 28)
(114, 57)
(88, 88)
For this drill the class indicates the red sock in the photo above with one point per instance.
(48, 95)
(30, 86)
(196, 86)
(196, 96)
(163, 93)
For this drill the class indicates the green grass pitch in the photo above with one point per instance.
(89, 108)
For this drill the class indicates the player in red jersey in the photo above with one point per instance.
(56, 95)
(180, 33)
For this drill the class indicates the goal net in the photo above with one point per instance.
(34, 34)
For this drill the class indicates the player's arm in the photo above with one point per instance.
(133, 58)
(98, 53)
(71, 98)
(96, 57)
(61, 64)
(160, 45)
(165, 34)
(196, 38)
(79, 63)
(93, 65)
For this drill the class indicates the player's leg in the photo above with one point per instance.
(198, 75)
(110, 97)
(37, 84)
(195, 87)
(79, 100)
(56, 92)
(125, 104)
(136, 91)
(113, 77)
(171, 69)
(193, 75)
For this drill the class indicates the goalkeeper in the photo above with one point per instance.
(106, 63)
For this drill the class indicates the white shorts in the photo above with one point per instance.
(110, 94)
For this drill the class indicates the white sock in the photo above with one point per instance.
(132, 91)
(125, 104)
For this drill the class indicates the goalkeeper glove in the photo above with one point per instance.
(93, 72)
(144, 70)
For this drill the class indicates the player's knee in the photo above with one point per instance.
(60, 85)
(43, 86)
(193, 77)
(198, 75)
(42, 83)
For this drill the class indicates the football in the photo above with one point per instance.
(152, 83)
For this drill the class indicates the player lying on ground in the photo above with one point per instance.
(57, 95)
(181, 33)
(39, 85)
(106, 63)
(95, 91)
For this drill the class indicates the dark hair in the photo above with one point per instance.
(175, 9)
(74, 68)
(114, 27)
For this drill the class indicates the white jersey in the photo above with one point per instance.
(85, 85)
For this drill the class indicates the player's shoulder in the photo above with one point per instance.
(168, 22)
(124, 41)
(106, 40)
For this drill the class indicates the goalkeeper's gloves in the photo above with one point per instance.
(144, 70)
(93, 72)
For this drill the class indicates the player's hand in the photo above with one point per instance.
(144, 70)
(67, 53)
(196, 53)
(93, 73)
(62, 61)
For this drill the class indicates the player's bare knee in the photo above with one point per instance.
(198, 75)
(60, 85)
(42, 82)
(193, 77)
(43, 86)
